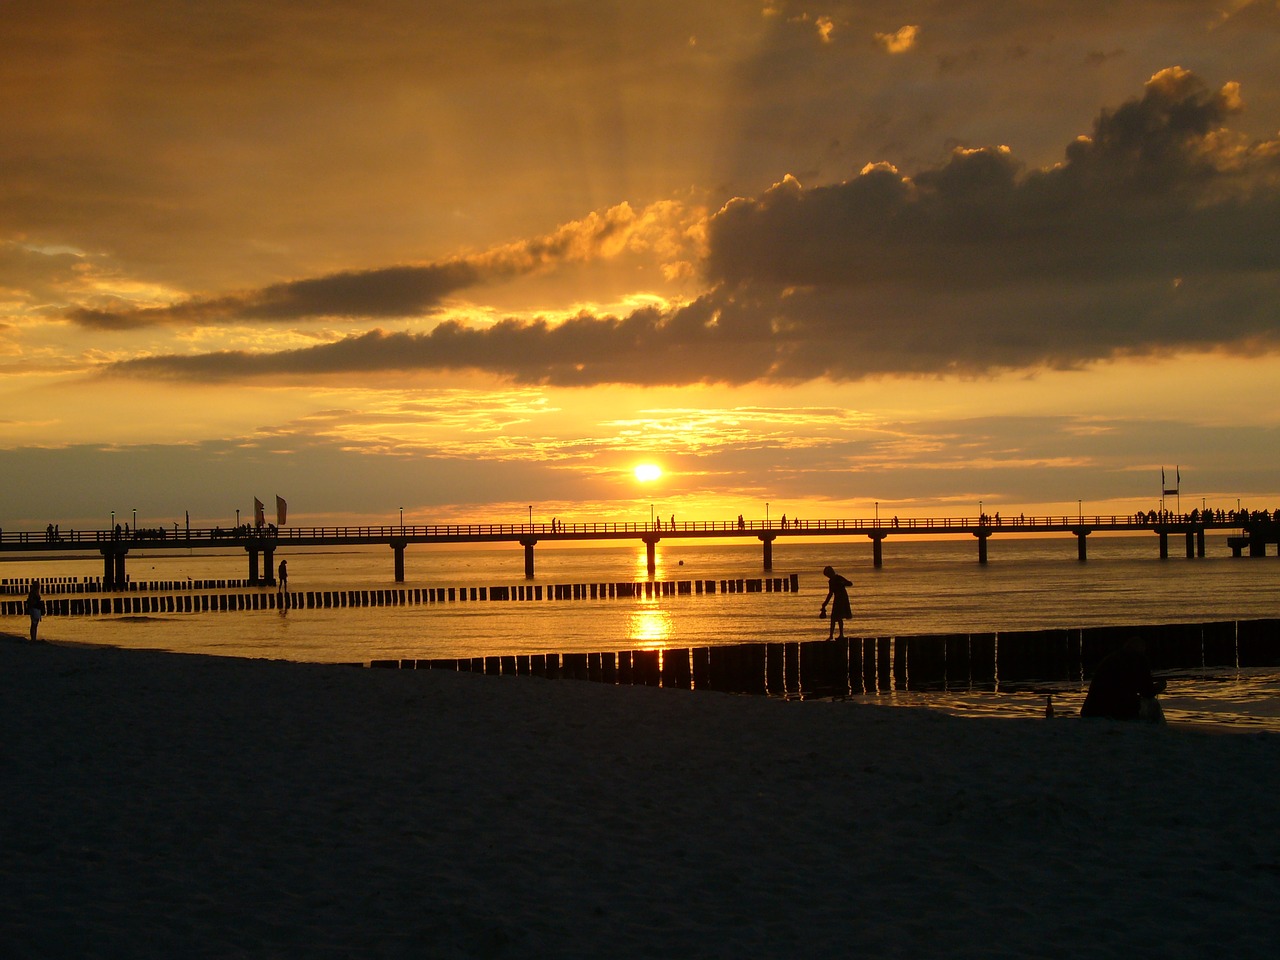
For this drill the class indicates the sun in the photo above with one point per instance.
(648, 472)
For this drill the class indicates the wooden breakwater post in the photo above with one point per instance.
(824, 667)
(871, 665)
(229, 595)
(1023, 655)
(926, 659)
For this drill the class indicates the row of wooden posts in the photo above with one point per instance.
(266, 599)
(62, 586)
(877, 664)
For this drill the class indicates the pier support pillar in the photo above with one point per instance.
(527, 543)
(651, 554)
(269, 565)
(982, 546)
(1082, 552)
(253, 565)
(877, 552)
(1200, 543)
(113, 568)
(1191, 545)
(767, 539)
(1164, 544)
(397, 547)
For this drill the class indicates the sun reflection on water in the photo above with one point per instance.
(649, 627)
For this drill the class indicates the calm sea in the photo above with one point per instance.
(923, 587)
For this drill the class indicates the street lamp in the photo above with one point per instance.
(1080, 510)
(135, 519)
(531, 516)
(766, 514)
(402, 521)
(877, 513)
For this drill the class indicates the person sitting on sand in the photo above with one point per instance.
(35, 609)
(1120, 684)
(838, 594)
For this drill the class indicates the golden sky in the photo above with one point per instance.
(469, 258)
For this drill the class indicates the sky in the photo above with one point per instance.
(477, 262)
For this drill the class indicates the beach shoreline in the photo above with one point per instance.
(162, 804)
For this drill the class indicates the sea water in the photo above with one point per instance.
(924, 586)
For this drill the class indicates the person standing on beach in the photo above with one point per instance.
(838, 596)
(35, 609)
(282, 578)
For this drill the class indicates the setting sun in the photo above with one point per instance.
(647, 472)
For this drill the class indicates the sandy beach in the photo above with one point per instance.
(166, 805)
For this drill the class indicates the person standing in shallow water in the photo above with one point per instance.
(838, 596)
(282, 577)
(35, 609)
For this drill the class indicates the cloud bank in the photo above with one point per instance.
(1157, 232)
(407, 290)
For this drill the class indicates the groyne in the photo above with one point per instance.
(73, 597)
(860, 665)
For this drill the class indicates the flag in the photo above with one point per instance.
(282, 510)
(1166, 491)
(258, 507)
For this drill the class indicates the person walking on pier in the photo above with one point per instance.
(838, 596)
(35, 609)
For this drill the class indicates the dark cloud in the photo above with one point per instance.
(390, 292)
(1159, 189)
(691, 344)
(1156, 233)
(405, 290)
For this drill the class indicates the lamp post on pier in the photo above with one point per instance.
(402, 521)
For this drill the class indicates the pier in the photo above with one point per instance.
(1251, 532)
